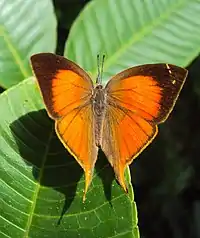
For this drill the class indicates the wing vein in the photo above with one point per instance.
(118, 106)
(70, 122)
(124, 139)
(64, 84)
(55, 95)
(127, 114)
(73, 103)
(146, 95)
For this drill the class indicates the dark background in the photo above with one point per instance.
(166, 176)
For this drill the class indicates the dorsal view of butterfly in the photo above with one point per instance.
(120, 118)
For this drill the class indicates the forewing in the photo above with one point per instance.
(148, 90)
(63, 84)
(67, 90)
(137, 100)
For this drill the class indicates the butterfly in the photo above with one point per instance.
(120, 118)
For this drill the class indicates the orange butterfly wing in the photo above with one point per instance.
(66, 90)
(138, 99)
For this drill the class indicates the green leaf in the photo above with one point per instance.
(42, 185)
(26, 27)
(135, 32)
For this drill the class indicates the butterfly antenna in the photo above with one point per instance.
(103, 58)
(100, 68)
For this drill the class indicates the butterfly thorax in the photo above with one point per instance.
(99, 107)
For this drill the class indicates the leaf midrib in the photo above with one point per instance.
(14, 52)
(37, 189)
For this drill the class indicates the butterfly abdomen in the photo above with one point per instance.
(99, 107)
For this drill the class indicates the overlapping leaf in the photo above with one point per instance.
(42, 185)
(135, 32)
(26, 27)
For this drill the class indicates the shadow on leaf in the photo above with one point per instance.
(52, 165)
(105, 172)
